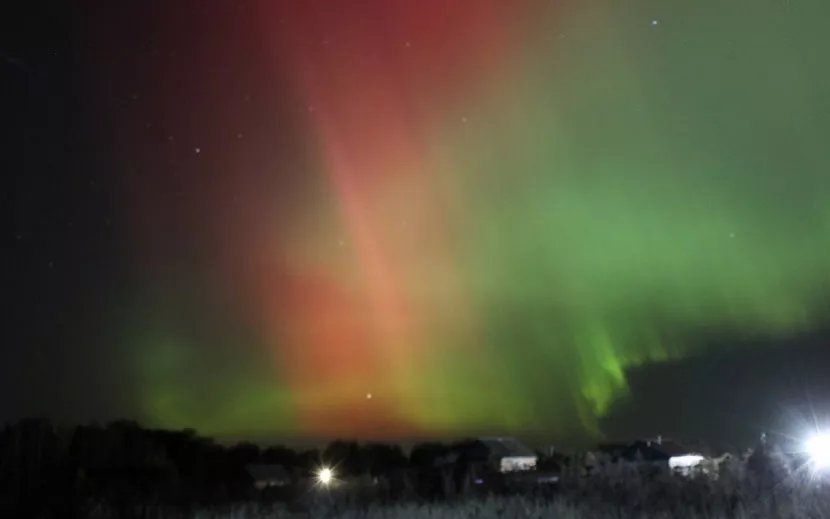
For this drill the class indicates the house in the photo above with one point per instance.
(660, 451)
(502, 454)
(265, 476)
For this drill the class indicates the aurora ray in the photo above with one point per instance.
(511, 204)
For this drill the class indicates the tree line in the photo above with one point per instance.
(46, 468)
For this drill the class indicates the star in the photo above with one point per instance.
(654, 22)
(368, 396)
(197, 150)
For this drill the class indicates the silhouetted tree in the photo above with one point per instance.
(308, 461)
(379, 458)
(425, 455)
(346, 456)
(279, 455)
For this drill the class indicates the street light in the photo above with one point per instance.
(818, 448)
(325, 476)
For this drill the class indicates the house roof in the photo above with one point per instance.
(670, 447)
(659, 448)
(507, 447)
(267, 472)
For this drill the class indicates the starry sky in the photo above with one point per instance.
(567, 220)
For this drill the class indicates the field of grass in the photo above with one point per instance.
(617, 494)
(522, 508)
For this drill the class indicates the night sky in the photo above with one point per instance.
(397, 218)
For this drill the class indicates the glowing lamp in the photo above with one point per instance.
(325, 476)
(818, 448)
(685, 462)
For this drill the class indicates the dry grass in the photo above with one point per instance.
(619, 492)
(675, 502)
(520, 508)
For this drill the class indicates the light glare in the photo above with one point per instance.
(687, 461)
(818, 447)
(325, 476)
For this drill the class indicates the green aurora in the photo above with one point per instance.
(637, 176)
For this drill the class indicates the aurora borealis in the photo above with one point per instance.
(400, 218)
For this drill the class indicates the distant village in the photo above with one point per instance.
(122, 463)
(508, 460)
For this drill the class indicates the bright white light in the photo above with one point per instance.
(325, 476)
(687, 461)
(818, 447)
(518, 463)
